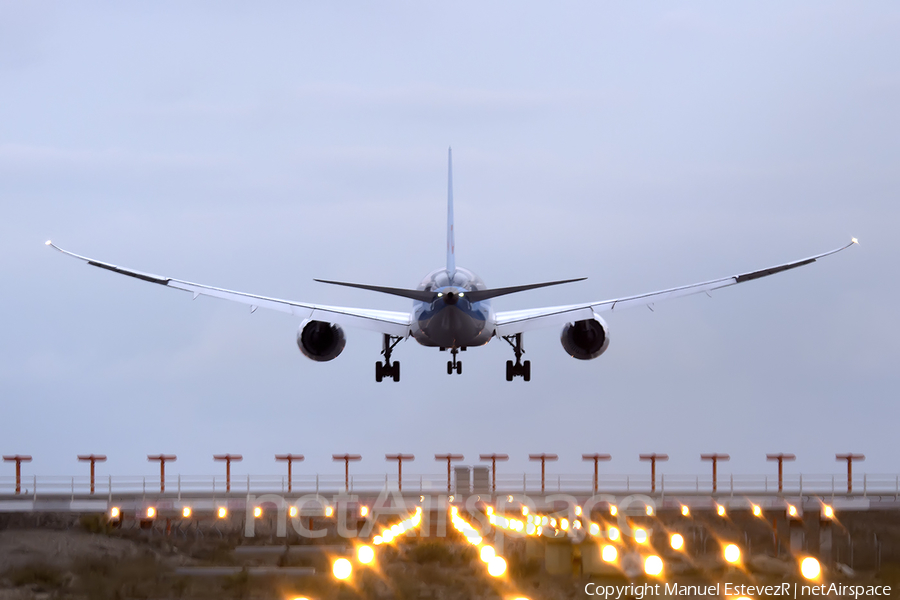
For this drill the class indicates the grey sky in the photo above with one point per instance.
(256, 147)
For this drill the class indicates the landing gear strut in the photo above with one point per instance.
(519, 369)
(454, 365)
(386, 369)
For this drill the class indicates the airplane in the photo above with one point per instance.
(452, 310)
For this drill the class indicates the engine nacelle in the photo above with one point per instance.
(586, 339)
(320, 341)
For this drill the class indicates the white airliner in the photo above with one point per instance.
(452, 311)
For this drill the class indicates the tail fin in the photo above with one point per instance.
(451, 244)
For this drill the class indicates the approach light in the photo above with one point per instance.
(342, 569)
(676, 541)
(497, 566)
(222, 512)
(810, 568)
(487, 553)
(653, 565)
(757, 511)
(685, 511)
(365, 554)
(640, 536)
(609, 553)
(186, 512)
(732, 554)
(151, 512)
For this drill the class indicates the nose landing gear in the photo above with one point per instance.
(386, 369)
(454, 365)
(519, 369)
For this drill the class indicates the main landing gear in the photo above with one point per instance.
(454, 365)
(386, 369)
(519, 369)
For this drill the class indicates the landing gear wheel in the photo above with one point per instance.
(459, 367)
(518, 368)
(386, 369)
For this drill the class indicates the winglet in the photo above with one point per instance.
(451, 244)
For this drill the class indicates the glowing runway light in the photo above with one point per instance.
(186, 512)
(685, 511)
(365, 554)
(676, 541)
(640, 536)
(487, 553)
(342, 569)
(497, 566)
(810, 568)
(653, 565)
(613, 533)
(720, 510)
(757, 511)
(609, 553)
(732, 553)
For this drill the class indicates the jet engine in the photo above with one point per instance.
(586, 339)
(320, 341)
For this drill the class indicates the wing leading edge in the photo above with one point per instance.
(519, 321)
(382, 321)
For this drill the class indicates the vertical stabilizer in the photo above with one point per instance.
(451, 244)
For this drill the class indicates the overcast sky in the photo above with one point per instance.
(255, 147)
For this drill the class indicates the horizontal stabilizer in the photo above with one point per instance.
(473, 295)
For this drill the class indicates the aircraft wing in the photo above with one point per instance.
(518, 321)
(382, 321)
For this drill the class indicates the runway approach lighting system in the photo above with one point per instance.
(289, 458)
(163, 459)
(653, 458)
(780, 457)
(715, 458)
(596, 458)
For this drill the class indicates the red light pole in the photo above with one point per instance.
(18, 459)
(346, 458)
(290, 458)
(399, 458)
(653, 458)
(715, 458)
(596, 458)
(449, 458)
(493, 458)
(228, 458)
(543, 458)
(163, 459)
(93, 458)
(848, 457)
(780, 457)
